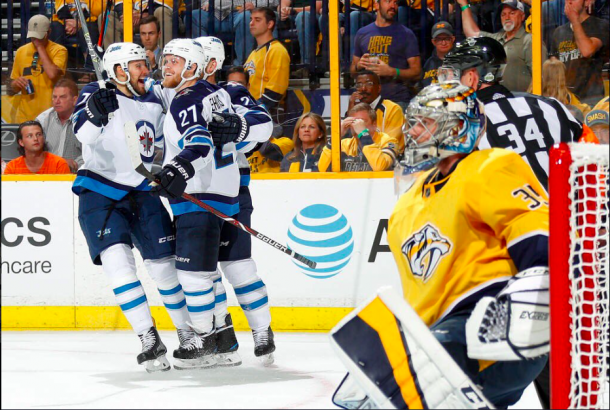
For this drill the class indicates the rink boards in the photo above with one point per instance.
(49, 281)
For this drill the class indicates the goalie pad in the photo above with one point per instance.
(395, 362)
(515, 324)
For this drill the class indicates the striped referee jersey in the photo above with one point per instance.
(527, 124)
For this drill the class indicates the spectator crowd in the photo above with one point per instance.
(387, 58)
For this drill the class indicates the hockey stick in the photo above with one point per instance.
(104, 24)
(133, 145)
(95, 58)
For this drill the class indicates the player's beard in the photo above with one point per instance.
(171, 82)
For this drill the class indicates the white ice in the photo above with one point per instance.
(97, 369)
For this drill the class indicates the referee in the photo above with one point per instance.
(525, 123)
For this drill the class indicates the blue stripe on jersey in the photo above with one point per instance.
(171, 291)
(125, 288)
(201, 308)
(202, 293)
(257, 118)
(244, 180)
(188, 207)
(256, 304)
(530, 252)
(217, 280)
(133, 303)
(249, 288)
(90, 180)
(200, 140)
(175, 306)
(221, 298)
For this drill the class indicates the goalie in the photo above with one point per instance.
(470, 238)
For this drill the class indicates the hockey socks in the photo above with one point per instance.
(163, 271)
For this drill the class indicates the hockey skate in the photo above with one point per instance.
(227, 345)
(153, 352)
(196, 351)
(264, 346)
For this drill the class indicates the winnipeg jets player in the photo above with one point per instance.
(114, 204)
(193, 164)
(235, 258)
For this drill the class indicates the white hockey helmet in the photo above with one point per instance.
(214, 49)
(121, 54)
(191, 51)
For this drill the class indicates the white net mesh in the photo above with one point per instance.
(589, 276)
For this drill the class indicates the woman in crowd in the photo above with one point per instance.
(554, 85)
(309, 139)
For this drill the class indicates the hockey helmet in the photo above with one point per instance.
(213, 49)
(121, 54)
(483, 53)
(191, 51)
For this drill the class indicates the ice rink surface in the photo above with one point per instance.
(97, 369)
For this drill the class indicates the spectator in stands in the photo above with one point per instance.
(516, 41)
(443, 39)
(299, 12)
(390, 50)
(230, 16)
(238, 75)
(66, 25)
(582, 44)
(597, 120)
(367, 149)
(37, 67)
(309, 139)
(390, 116)
(554, 85)
(34, 157)
(268, 66)
(163, 10)
(150, 31)
(57, 126)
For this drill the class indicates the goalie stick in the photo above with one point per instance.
(133, 144)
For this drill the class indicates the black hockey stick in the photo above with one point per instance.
(133, 144)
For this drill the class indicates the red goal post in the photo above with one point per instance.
(578, 192)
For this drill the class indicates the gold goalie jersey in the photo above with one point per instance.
(461, 237)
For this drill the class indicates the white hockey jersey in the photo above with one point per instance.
(216, 180)
(107, 167)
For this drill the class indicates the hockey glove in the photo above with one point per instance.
(172, 178)
(101, 104)
(227, 127)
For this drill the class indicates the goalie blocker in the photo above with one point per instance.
(395, 361)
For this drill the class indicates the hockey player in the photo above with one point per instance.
(472, 229)
(525, 123)
(114, 203)
(235, 259)
(204, 165)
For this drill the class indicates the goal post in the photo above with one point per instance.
(578, 192)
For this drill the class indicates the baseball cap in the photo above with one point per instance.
(514, 4)
(597, 117)
(442, 27)
(38, 26)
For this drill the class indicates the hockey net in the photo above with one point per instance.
(578, 192)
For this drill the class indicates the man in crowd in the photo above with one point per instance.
(390, 50)
(268, 68)
(597, 120)
(443, 39)
(390, 116)
(38, 66)
(57, 126)
(66, 23)
(516, 41)
(582, 45)
(367, 149)
(150, 30)
(35, 159)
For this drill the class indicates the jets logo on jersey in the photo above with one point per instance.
(146, 133)
(424, 250)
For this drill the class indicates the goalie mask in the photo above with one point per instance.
(122, 54)
(213, 49)
(442, 120)
(191, 51)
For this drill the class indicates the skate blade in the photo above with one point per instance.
(228, 359)
(160, 364)
(204, 362)
(267, 359)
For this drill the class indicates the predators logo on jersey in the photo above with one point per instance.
(424, 250)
